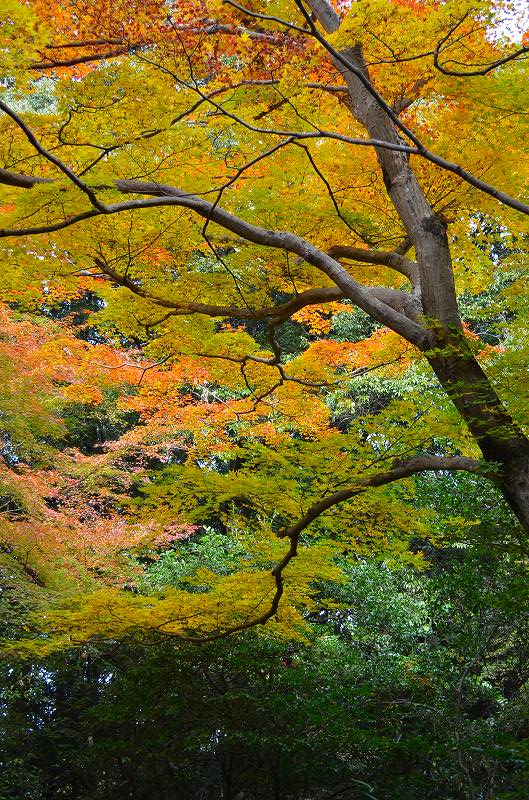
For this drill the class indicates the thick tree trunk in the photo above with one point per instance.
(500, 440)
(515, 483)
(426, 231)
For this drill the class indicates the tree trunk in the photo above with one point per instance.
(498, 437)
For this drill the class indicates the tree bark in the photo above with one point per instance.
(499, 438)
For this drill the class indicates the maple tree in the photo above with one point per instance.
(233, 183)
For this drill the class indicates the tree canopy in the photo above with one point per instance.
(264, 333)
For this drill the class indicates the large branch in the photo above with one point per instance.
(293, 532)
(21, 181)
(397, 300)
(398, 472)
(87, 58)
(277, 314)
(391, 259)
(387, 306)
(162, 195)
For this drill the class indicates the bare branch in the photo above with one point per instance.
(9, 178)
(393, 260)
(84, 43)
(51, 63)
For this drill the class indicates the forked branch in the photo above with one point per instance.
(399, 471)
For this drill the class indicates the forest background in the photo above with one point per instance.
(264, 473)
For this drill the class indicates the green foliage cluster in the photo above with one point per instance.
(414, 688)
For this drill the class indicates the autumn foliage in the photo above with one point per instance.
(168, 370)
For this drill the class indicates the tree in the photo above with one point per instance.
(282, 161)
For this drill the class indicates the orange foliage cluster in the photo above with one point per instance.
(53, 357)
(68, 515)
(52, 520)
(318, 318)
(383, 347)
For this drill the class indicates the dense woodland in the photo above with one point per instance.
(264, 400)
